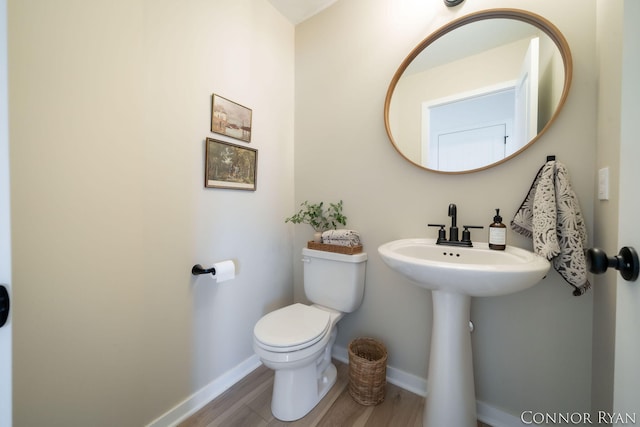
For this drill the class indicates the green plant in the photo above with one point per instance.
(317, 217)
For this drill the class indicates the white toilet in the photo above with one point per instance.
(296, 341)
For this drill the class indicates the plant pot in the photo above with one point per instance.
(317, 237)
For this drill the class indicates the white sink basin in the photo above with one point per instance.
(476, 271)
(454, 274)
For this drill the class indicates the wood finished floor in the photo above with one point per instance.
(248, 404)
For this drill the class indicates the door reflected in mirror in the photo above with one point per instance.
(478, 91)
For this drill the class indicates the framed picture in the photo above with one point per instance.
(230, 166)
(230, 119)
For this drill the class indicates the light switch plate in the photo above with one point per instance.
(603, 184)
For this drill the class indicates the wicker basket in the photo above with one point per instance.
(347, 250)
(367, 371)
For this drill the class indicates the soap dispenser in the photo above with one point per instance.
(497, 233)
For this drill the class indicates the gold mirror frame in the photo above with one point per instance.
(520, 15)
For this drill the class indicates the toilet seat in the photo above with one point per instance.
(292, 328)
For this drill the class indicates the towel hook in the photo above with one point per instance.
(626, 262)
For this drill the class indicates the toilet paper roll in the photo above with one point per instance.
(225, 270)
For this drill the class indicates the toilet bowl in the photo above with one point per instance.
(303, 369)
(296, 341)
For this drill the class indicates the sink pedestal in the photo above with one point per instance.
(454, 275)
(450, 397)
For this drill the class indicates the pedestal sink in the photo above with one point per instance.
(454, 275)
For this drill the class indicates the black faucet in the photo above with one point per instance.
(453, 230)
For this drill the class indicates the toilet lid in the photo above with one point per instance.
(297, 325)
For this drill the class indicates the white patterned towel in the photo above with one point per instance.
(341, 237)
(551, 216)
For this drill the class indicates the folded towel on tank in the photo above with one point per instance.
(341, 237)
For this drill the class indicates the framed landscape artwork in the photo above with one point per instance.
(230, 166)
(230, 119)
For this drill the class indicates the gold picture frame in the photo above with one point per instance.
(230, 166)
(230, 119)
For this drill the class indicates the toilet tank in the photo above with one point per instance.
(334, 280)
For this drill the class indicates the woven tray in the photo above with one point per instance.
(348, 250)
(367, 371)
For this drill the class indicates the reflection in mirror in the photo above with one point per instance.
(472, 98)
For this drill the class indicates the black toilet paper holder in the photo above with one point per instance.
(198, 269)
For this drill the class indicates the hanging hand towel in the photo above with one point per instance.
(551, 216)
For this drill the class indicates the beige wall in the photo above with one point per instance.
(109, 109)
(532, 350)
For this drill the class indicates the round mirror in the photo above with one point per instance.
(478, 91)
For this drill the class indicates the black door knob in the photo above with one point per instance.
(4, 305)
(626, 262)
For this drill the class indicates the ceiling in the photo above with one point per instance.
(297, 11)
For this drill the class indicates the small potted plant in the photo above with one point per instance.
(317, 217)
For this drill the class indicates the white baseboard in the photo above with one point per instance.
(206, 394)
(485, 412)
(495, 417)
